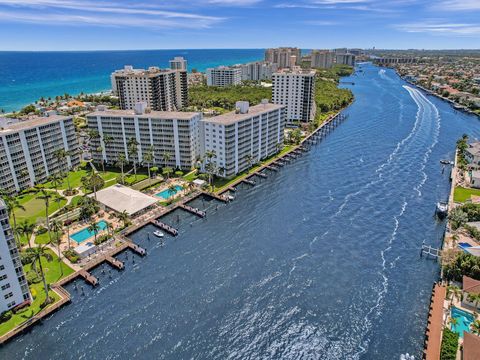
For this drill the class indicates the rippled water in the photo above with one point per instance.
(319, 261)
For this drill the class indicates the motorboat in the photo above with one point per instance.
(446, 162)
(158, 233)
(442, 209)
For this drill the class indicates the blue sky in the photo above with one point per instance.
(174, 24)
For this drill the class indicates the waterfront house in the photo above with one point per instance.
(472, 153)
(469, 286)
(475, 179)
(471, 347)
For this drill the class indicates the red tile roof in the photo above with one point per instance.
(470, 285)
(471, 346)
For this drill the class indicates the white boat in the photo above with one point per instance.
(442, 208)
(158, 233)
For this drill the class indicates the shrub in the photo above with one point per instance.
(33, 278)
(41, 230)
(101, 239)
(71, 255)
(448, 350)
(5, 316)
(464, 264)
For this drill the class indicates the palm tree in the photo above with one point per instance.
(132, 147)
(61, 156)
(46, 196)
(109, 228)
(172, 189)
(99, 150)
(148, 158)
(124, 217)
(36, 254)
(454, 291)
(249, 159)
(475, 327)
(121, 161)
(107, 140)
(56, 180)
(166, 156)
(12, 205)
(474, 298)
(93, 227)
(57, 229)
(27, 229)
(167, 170)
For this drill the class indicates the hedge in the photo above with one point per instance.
(448, 351)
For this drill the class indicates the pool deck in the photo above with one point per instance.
(433, 334)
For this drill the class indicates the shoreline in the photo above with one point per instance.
(438, 96)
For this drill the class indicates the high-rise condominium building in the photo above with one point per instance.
(178, 63)
(322, 59)
(296, 90)
(345, 59)
(161, 89)
(284, 57)
(28, 151)
(13, 284)
(164, 132)
(224, 76)
(257, 71)
(243, 137)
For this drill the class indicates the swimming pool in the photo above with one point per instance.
(167, 193)
(463, 321)
(85, 234)
(464, 246)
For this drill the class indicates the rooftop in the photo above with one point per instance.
(474, 148)
(31, 123)
(121, 198)
(233, 117)
(471, 346)
(151, 114)
(470, 285)
(295, 71)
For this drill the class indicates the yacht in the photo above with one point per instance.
(158, 233)
(442, 209)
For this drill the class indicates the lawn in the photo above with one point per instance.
(35, 208)
(461, 194)
(75, 177)
(45, 239)
(52, 274)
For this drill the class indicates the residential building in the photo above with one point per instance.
(178, 63)
(161, 89)
(472, 154)
(175, 133)
(322, 59)
(257, 71)
(28, 148)
(284, 57)
(224, 76)
(243, 137)
(14, 289)
(296, 90)
(345, 59)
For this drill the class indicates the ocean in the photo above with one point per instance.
(27, 76)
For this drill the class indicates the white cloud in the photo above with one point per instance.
(102, 13)
(458, 5)
(441, 28)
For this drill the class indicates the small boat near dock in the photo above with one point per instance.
(442, 209)
(158, 233)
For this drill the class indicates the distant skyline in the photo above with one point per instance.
(129, 25)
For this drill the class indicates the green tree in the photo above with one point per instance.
(36, 254)
(121, 162)
(148, 158)
(166, 156)
(57, 228)
(167, 171)
(12, 205)
(46, 196)
(93, 227)
(27, 230)
(94, 182)
(132, 147)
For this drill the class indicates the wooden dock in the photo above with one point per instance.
(433, 333)
(193, 210)
(83, 273)
(170, 229)
(249, 182)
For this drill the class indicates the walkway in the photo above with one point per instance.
(433, 334)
